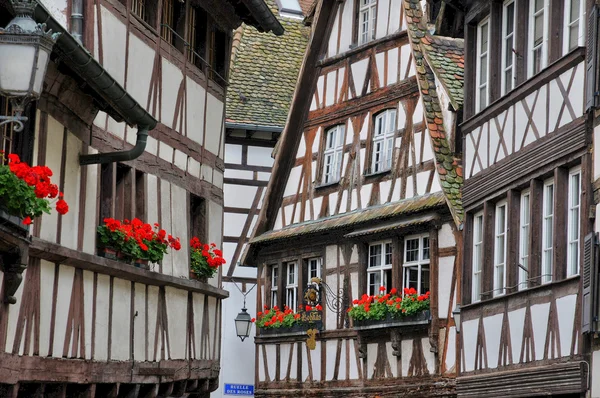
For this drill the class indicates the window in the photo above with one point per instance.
(538, 36)
(416, 263)
(573, 222)
(218, 55)
(477, 256)
(334, 148)
(173, 22)
(18, 142)
(547, 231)
(314, 268)
(483, 40)
(574, 28)
(291, 286)
(379, 271)
(367, 18)
(146, 10)
(198, 218)
(7, 131)
(508, 45)
(274, 284)
(524, 241)
(196, 35)
(383, 141)
(500, 250)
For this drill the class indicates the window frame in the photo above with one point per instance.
(567, 24)
(500, 286)
(477, 261)
(573, 269)
(479, 55)
(382, 268)
(546, 274)
(274, 284)
(420, 263)
(530, 40)
(387, 140)
(336, 153)
(505, 36)
(371, 9)
(524, 225)
(316, 260)
(291, 287)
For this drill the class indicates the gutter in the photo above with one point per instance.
(253, 127)
(262, 13)
(84, 64)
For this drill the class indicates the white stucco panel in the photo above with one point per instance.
(469, 342)
(113, 33)
(539, 320)
(565, 307)
(140, 68)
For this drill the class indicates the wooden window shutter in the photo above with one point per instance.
(589, 296)
(591, 99)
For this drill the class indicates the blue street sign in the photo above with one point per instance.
(239, 389)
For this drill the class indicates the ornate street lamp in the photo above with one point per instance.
(25, 47)
(243, 323)
(456, 315)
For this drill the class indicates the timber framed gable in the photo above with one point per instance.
(414, 205)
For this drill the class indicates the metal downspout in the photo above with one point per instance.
(119, 156)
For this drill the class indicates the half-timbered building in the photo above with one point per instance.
(262, 79)
(364, 193)
(147, 77)
(527, 195)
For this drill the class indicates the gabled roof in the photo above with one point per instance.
(448, 164)
(264, 71)
(446, 57)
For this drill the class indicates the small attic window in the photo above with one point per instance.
(290, 7)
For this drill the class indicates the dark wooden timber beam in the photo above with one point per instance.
(59, 254)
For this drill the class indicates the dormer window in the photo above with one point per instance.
(383, 141)
(367, 18)
(334, 149)
(483, 46)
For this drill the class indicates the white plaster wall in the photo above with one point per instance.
(114, 33)
(139, 73)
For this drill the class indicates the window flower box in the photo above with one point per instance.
(390, 309)
(25, 193)
(296, 329)
(205, 260)
(273, 321)
(134, 242)
(14, 223)
(422, 318)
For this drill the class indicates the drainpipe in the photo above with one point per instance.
(124, 107)
(120, 156)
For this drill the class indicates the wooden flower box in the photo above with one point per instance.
(295, 330)
(420, 319)
(13, 223)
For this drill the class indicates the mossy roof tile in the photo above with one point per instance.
(263, 73)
